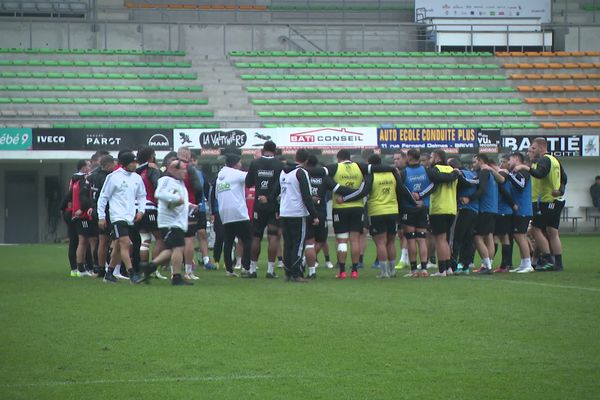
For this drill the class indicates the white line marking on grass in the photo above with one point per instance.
(216, 378)
(589, 289)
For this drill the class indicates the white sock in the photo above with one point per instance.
(270, 267)
(404, 257)
(392, 263)
(206, 260)
(252, 266)
(487, 263)
(383, 265)
(117, 270)
(188, 268)
(312, 270)
(526, 262)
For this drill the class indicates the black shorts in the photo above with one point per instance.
(119, 229)
(86, 228)
(520, 224)
(418, 218)
(486, 223)
(321, 230)
(366, 220)
(310, 229)
(348, 220)
(383, 224)
(173, 237)
(149, 222)
(441, 223)
(503, 225)
(548, 215)
(263, 218)
(192, 228)
(201, 220)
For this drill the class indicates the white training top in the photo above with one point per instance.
(230, 195)
(291, 197)
(121, 190)
(170, 190)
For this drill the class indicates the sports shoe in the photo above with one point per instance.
(501, 270)
(120, 276)
(329, 265)
(136, 278)
(424, 273)
(459, 268)
(238, 266)
(210, 266)
(360, 265)
(354, 275)
(312, 276)
(545, 267)
(524, 270)
(484, 271)
(190, 276)
(382, 275)
(439, 274)
(177, 280)
(110, 278)
(280, 264)
(271, 275)
(400, 265)
(341, 275)
(231, 274)
(375, 265)
(431, 265)
(449, 272)
(466, 271)
(74, 274)
(392, 273)
(85, 273)
(413, 274)
(249, 275)
(158, 275)
(558, 269)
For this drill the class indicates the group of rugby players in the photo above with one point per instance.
(441, 211)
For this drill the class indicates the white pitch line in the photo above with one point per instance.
(550, 285)
(216, 378)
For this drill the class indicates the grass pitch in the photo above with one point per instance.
(530, 336)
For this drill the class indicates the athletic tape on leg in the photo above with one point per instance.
(343, 247)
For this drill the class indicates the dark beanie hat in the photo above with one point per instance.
(232, 159)
(126, 158)
(270, 145)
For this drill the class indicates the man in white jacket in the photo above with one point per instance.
(121, 190)
(173, 210)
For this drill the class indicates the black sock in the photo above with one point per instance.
(424, 265)
(558, 260)
(432, 259)
(342, 267)
(361, 258)
(413, 266)
(130, 272)
(442, 265)
(354, 267)
(111, 270)
(506, 255)
(80, 267)
(327, 259)
(280, 258)
(545, 259)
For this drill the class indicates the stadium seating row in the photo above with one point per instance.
(567, 88)
(92, 75)
(277, 77)
(362, 114)
(260, 102)
(569, 125)
(548, 54)
(362, 66)
(205, 7)
(340, 7)
(82, 63)
(138, 126)
(583, 65)
(561, 100)
(134, 113)
(268, 53)
(505, 125)
(560, 113)
(96, 101)
(554, 76)
(377, 89)
(98, 88)
(45, 50)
